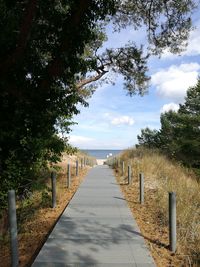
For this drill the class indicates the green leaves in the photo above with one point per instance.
(166, 23)
(179, 136)
(50, 63)
(149, 138)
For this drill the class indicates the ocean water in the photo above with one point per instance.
(101, 153)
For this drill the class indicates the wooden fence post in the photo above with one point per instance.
(81, 163)
(13, 228)
(172, 221)
(77, 168)
(68, 175)
(53, 183)
(122, 168)
(129, 174)
(141, 188)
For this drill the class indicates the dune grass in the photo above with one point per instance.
(163, 176)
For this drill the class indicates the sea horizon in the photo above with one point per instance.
(102, 153)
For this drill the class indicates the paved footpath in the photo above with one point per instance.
(96, 229)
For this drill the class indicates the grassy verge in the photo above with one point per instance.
(163, 176)
(35, 217)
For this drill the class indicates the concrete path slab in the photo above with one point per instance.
(96, 229)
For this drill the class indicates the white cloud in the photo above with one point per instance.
(193, 47)
(77, 140)
(168, 107)
(174, 81)
(119, 120)
(122, 120)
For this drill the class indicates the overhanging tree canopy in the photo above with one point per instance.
(49, 54)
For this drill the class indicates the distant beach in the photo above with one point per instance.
(101, 154)
(100, 161)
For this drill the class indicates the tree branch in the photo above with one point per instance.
(91, 79)
(56, 67)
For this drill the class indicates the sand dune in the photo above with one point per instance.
(100, 161)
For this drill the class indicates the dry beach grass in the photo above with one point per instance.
(163, 176)
(36, 217)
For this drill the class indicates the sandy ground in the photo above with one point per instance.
(39, 218)
(100, 161)
(153, 230)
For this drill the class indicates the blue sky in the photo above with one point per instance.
(113, 120)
